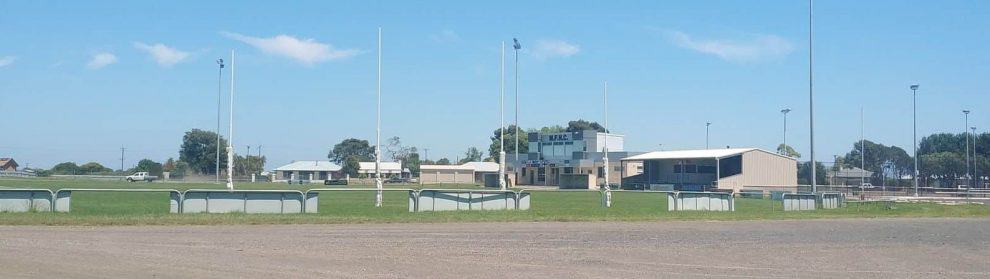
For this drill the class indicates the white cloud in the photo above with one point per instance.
(446, 36)
(7, 60)
(306, 51)
(554, 48)
(755, 49)
(164, 55)
(101, 60)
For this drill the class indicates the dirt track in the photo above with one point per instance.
(887, 248)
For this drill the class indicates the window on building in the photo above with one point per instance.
(730, 166)
(706, 169)
(568, 170)
(601, 172)
(688, 168)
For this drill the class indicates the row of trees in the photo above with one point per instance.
(349, 152)
(942, 158)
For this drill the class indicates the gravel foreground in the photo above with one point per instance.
(846, 248)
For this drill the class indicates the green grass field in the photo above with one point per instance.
(90, 208)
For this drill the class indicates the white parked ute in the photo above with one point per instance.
(141, 176)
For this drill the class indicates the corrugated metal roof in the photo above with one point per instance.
(445, 167)
(690, 154)
(309, 166)
(385, 166)
(483, 166)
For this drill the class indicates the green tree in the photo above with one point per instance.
(360, 149)
(93, 168)
(788, 151)
(547, 129)
(199, 150)
(471, 155)
(175, 169)
(147, 165)
(248, 165)
(413, 162)
(443, 161)
(581, 125)
(510, 147)
(351, 165)
(943, 166)
(66, 168)
(804, 173)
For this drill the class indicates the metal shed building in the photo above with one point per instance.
(714, 169)
(471, 172)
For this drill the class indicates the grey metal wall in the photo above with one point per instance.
(703, 201)
(25, 200)
(453, 200)
(795, 202)
(246, 201)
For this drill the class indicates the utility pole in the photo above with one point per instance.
(122, 158)
(426, 154)
(966, 133)
(501, 119)
(230, 131)
(378, 129)
(811, 94)
(976, 177)
(862, 149)
(707, 124)
(914, 143)
(784, 150)
(516, 46)
(605, 168)
(219, 90)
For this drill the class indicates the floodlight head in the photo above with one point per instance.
(914, 87)
(785, 111)
(220, 62)
(515, 44)
(708, 123)
(965, 111)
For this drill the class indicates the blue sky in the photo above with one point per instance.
(80, 80)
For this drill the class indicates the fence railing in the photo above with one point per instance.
(63, 197)
(246, 201)
(312, 200)
(25, 200)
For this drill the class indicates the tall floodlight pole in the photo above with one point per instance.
(976, 177)
(707, 124)
(230, 132)
(501, 119)
(914, 143)
(811, 94)
(784, 150)
(608, 188)
(966, 133)
(219, 90)
(378, 128)
(862, 148)
(516, 46)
